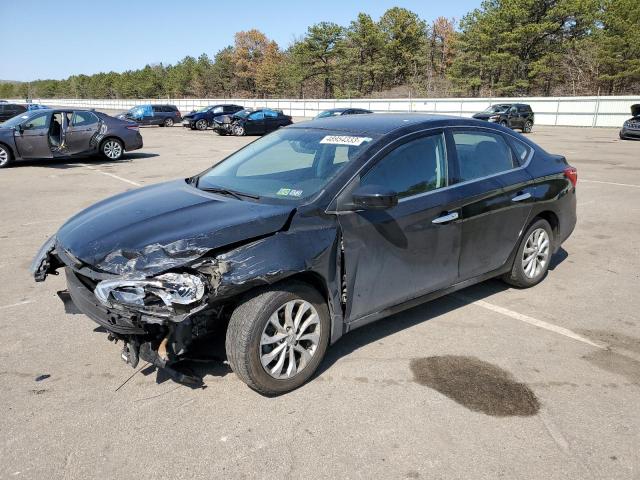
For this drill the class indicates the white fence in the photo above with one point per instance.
(568, 111)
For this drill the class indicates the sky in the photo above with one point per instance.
(56, 39)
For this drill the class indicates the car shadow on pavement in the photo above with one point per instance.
(66, 163)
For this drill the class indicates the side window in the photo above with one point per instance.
(36, 122)
(217, 110)
(521, 150)
(417, 166)
(513, 109)
(83, 119)
(256, 116)
(481, 154)
(270, 114)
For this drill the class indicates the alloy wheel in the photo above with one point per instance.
(112, 149)
(528, 126)
(238, 130)
(201, 124)
(4, 157)
(168, 122)
(290, 339)
(535, 255)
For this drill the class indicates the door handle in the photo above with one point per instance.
(521, 196)
(449, 217)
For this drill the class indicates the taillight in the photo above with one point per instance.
(572, 175)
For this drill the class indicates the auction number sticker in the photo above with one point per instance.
(344, 140)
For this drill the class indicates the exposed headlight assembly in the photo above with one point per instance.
(169, 289)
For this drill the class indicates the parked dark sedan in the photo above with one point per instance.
(335, 112)
(10, 110)
(310, 232)
(203, 118)
(251, 122)
(160, 115)
(511, 115)
(631, 128)
(65, 133)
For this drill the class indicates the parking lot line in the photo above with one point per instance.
(531, 321)
(131, 182)
(611, 183)
(25, 302)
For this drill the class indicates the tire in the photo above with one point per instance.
(522, 277)
(504, 123)
(6, 157)
(528, 126)
(238, 130)
(112, 148)
(201, 124)
(168, 122)
(250, 326)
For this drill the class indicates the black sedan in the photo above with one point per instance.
(310, 232)
(336, 112)
(631, 128)
(512, 115)
(251, 122)
(65, 133)
(202, 118)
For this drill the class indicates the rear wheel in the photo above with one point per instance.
(168, 122)
(6, 159)
(201, 124)
(533, 257)
(277, 337)
(112, 148)
(528, 126)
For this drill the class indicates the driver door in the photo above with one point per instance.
(32, 139)
(255, 123)
(409, 250)
(514, 118)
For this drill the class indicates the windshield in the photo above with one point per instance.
(290, 164)
(203, 109)
(15, 121)
(242, 113)
(496, 109)
(329, 113)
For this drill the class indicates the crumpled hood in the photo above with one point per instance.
(484, 116)
(149, 230)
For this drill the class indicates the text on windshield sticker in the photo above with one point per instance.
(344, 140)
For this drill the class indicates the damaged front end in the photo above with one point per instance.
(157, 318)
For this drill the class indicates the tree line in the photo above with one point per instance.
(502, 48)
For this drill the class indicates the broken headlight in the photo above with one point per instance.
(164, 290)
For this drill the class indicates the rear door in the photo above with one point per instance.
(395, 255)
(497, 200)
(83, 127)
(32, 141)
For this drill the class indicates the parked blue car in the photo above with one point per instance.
(203, 118)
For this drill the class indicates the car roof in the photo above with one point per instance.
(383, 123)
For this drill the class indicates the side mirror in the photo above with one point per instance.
(19, 128)
(374, 197)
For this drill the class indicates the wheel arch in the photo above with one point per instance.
(12, 150)
(109, 137)
(551, 217)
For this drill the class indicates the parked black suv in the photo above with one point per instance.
(631, 128)
(161, 115)
(511, 115)
(10, 110)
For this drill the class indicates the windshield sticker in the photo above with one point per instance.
(344, 140)
(287, 192)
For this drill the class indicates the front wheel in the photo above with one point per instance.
(201, 124)
(6, 159)
(528, 126)
(112, 149)
(277, 337)
(168, 122)
(533, 257)
(504, 123)
(238, 130)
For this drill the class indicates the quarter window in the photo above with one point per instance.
(415, 167)
(482, 154)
